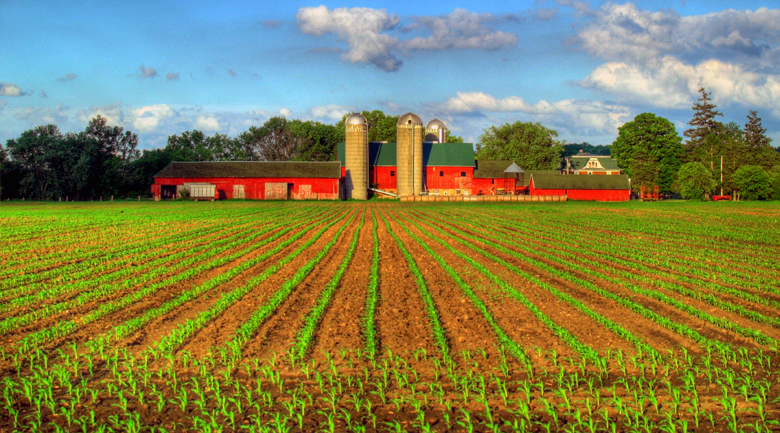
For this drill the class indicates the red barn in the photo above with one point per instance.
(253, 180)
(448, 168)
(597, 188)
(492, 178)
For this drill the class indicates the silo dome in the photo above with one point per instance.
(356, 119)
(436, 124)
(410, 119)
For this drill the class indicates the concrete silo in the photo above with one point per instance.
(436, 131)
(409, 157)
(356, 157)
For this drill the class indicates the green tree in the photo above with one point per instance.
(274, 141)
(695, 181)
(575, 148)
(34, 151)
(649, 151)
(381, 127)
(758, 144)
(452, 138)
(319, 140)
(774, 181)
(530, 145)
(702, 125)
(753, 182)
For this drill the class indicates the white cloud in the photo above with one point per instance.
(366, 31)
(285, 112)
(43, 115)
(10, 89)
(597, 117)
(361, 28)
(113, 114)
(206, 122)
(145, 72)
(148, 119)
(623, 32)
(670, 83)
(330, 113)
(461, 29)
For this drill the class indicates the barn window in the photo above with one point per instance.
(441, 174)
(493, 181)
(462, 174)
(392, 173)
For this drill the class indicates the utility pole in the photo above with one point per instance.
(721, 175)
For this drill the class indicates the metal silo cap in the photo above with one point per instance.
(356, 119)
(514, 168)
(410, 119)
(436, 124)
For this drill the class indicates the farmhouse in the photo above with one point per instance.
(588, 163)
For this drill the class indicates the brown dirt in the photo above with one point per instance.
(277, 335)
(341, 327)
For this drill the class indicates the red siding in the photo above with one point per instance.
(381, 177)
(584, 194)
(255, 188)
(599, 194)
(448, 177)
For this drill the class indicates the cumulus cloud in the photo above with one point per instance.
(206, 122)
(622, 32)
(361, 28)
(10, 89)
(145, 72)
(172, 76)
(367, 32)
(330, 113)
(286, 112)
(114, 114)
(670, 83)
(43, 115)
(149, 118)
(461, 29)
(596, 117)
(68, 77)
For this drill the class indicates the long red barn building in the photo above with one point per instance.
(291, 180)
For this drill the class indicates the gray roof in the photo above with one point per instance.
(492, 169)
(514, 168)
(580, 181)
(247, 169)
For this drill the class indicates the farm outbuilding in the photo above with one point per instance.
(270, 180)
(596, 188)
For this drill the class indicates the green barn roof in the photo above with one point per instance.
(579, 181)
(303, 169)
(434, 154)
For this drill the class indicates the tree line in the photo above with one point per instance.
(716, 159)
(103, 160)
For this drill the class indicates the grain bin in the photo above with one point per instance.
(356, 157)
(436, 131)
(409, 156)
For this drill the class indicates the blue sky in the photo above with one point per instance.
(160, 68)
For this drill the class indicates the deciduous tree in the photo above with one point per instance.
(649, 151)
(530, 145)
(753, 182)
(695, 181)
